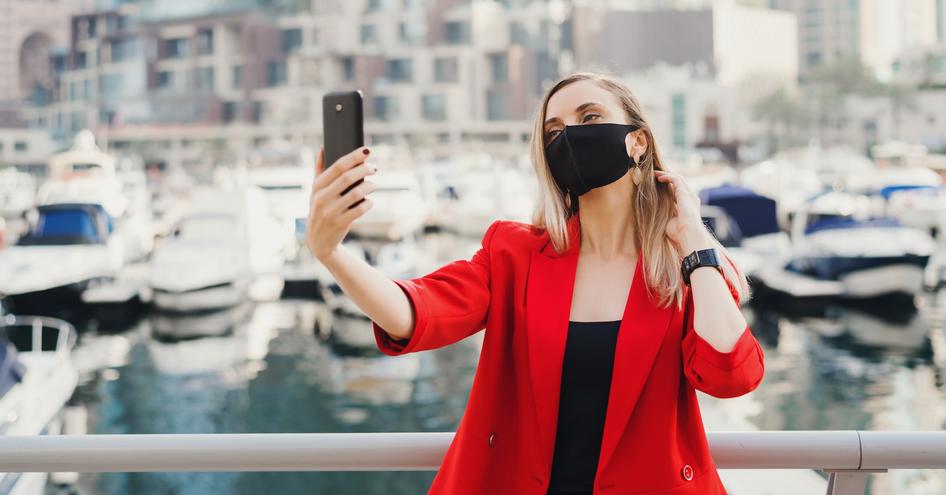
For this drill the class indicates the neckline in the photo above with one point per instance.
(592, 322)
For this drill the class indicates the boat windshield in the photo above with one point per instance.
(64, 227)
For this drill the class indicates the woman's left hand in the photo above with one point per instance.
(686, 227)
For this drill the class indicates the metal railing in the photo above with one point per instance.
(65, 332)
(847, 456)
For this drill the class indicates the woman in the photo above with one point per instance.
(586, 378)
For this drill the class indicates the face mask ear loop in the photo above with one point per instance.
(631, 128)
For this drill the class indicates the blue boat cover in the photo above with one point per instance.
(843, 222)
(888, 191)
(755, 214)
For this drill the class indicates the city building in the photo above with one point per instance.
(30, 31)
(742, 46)
(875, 32)
(188, 83)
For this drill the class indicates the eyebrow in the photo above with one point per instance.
(578, 109)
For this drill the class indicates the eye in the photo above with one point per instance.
(587, 115)
(551, 135)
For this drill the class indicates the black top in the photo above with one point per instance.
(586, 382)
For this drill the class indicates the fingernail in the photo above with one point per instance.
(365, 151)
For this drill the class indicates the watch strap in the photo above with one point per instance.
(696, 259)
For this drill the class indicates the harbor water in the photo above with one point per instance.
(295, 366)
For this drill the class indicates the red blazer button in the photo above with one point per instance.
(492, 438)
(687, 472)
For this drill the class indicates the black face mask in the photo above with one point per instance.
(583, 157)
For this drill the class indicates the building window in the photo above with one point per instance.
(446, 69)
(175, 48)
(204, 79)
(399, 70)
(81, 60)
(372, 5)
(411, 33)
(85, 28)
(348, 68)
(229, 111)
(116, 50)
(813, 58)
(456, 32)
(369, 33)
(59, 63)
(518, 34)
(257, 111)
(19, 146)
(110, 85)
(711, 128)
(165, 79)
(236, 77)
(384, 107)
(76, 120)
(276, 73)
(499, 67)
(291, 40)
(496, 107)
(205, 41)
(678, 113)
(434, 107)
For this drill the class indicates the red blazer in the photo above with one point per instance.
(520, 290)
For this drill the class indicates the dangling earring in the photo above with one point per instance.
(636, 173)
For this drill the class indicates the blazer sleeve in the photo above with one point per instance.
(450, 303)
(722, 374)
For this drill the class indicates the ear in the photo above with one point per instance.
(636, 144)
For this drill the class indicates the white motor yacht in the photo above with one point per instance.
(37, 379)
(840, 248)
(399, 209)
(225, 249)
(86, 174)
(68, 248)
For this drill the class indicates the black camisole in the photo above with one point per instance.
(586, 383)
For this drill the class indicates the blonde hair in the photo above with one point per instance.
(652, 204)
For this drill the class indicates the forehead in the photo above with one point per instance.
(563, 103)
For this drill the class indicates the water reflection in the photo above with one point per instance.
(295, 366)
(868, 368)
(268, 372)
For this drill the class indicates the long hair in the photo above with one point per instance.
(653, 205)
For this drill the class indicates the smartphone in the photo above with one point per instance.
(342, 127)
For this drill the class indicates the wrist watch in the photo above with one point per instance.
(696, 259)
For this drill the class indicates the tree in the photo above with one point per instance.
(780, 108)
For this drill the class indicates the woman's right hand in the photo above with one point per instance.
(330, 217)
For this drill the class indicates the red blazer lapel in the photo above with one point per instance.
(643, 328)
(549, 290)
(548, 300)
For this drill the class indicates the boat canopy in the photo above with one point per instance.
(755, 214)
(64, 224)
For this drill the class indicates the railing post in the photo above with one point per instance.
(37, 338)
(849, 482)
